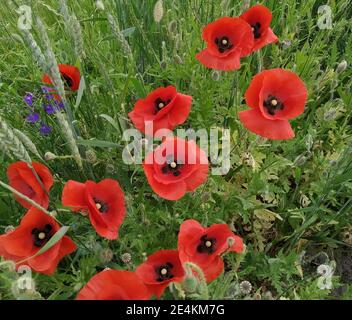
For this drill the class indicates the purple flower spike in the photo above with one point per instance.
(49, 108)
(59, 104)
(33, 117)
(28, 98)
(46, 89)
(49, 97)
(45, 129)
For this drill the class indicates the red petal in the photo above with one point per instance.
(114, 285)
(181, 109)
(71, 72)
(188, 239)
(213, 269)
(267, 38)
(109, 192)
(228, 63)
(253, 91)
(22, 179)
(222, 232)
(73, 195)
(254, 121)
(258, 14)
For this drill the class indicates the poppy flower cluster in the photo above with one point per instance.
(230, 39)
(176, 166)
(22, 245)
(197, 244)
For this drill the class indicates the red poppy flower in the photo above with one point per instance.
(114, 285)
(275, 96)
(204, 246)
(34, 231)
(70, 75)
(104, 202)
(160, 269)
(164, 107)
(175, 167)
(22, 178)
(228, 39)
(259, 18)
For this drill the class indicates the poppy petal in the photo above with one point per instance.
(213, 269)
(73, 195)
(181, 109)
(213, 62)
(254, 121)
(114, 285)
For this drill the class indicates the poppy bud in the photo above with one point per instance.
(178, 59)
(215, 75)
(190, 284)
(304, 201)
(9, 229)
(9, 265)
(106, 255)
(300, 160)
(91, 156)
(330, 114)
(110, 169)
(230, 241)
(158, 11)
(48, 156)
(342, 66)
(172, 26)
(100, 5)
(77, 287)
(53, 214)
(163, 64)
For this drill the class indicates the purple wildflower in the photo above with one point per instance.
(59, 104)
(46, 89)
(33, 117)
(49, 97)
(45, 129)
(28, 98)
(49, 108)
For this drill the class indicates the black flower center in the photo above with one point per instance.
(207, 245)
(67, 80)
(160, 104)
(164, 272)
(223, 44)
(42, 236)
(272, 104)
(101, 205)
(256, 30)
(172, 166)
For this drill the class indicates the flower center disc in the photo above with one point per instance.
(223, 44)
